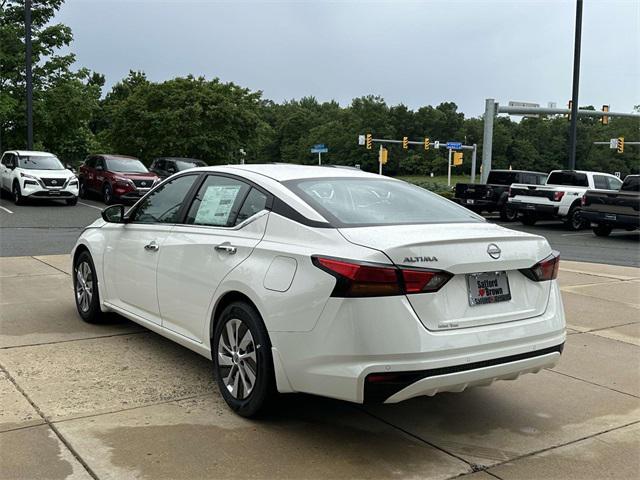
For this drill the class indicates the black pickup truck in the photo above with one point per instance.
(493, 195)
(608, 210)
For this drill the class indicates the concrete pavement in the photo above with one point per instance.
(116, 401)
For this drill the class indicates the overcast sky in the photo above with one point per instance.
(411, 52)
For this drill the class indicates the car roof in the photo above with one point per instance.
(31, 153)
(282, 172)
(517, 171)
(109, 155)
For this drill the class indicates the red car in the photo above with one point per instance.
(115, 177)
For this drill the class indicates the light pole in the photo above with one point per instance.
(28, 77)
(576, 80)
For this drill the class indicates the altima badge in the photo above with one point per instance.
(494, 251)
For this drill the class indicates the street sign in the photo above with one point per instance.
(361, 139)
(613, 143)
(454, 145)
(319, 148)
(436, 144)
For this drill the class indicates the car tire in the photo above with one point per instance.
(107, 195)
(235, 360)
(17, 194)
(82, 190)
(72, 201)
(528, 219)
(85, 289)
(574, 222)
(602, 230)
(508, 214)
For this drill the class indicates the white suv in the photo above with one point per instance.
(27, 174)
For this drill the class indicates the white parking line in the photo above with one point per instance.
(89, 205)
(575, 234)
(5, 209)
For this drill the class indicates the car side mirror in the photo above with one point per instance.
(114, 214)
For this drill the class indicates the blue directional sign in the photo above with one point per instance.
(454, 145)
(319, 148)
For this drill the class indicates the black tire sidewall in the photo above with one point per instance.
(72, 201)
(264, 388)
(94, 314)
(602, 231)
(107, 201)
(17, 194)
(82, 190)
(508, 214)
(571, 220)
(527, 219)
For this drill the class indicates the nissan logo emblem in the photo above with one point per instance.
(143, 183)
(494, 251)
(54, 182)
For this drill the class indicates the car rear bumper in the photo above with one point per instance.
(611, 219)
(477, 203)
(355, 342)
(536, 208)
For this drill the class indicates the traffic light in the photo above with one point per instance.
(457, 158)
(620, 144)
(384, 156)
(605, 118)
(570, 107)
(369, 142)
(427, 143)
(405, 142)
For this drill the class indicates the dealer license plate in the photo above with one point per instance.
(488, 287)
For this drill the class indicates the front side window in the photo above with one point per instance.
(218, 202)
(125, 165)
(351, 202)
(163, 204)
(614, 183)
(33, 162)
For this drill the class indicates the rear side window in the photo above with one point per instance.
(600, 182)
(502, 178)
(570, 179)
(217, 202)
(541, 179)
(255, 202)
(631, 184)
(353, 202)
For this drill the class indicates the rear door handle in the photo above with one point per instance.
(152, 247)
(226, 247)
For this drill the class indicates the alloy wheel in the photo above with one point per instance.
(84, 286)
(237, 359)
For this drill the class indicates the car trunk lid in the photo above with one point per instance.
(464, 249)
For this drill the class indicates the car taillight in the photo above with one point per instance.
(557, 196)
(361, 279)
(583, 200)
(546, 269)
(511, 192)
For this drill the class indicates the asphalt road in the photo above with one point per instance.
(50, 227)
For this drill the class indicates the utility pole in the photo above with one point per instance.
(449, 170)
(28, 77)
(576, 80)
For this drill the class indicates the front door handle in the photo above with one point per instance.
(226, 247)
(152, 247)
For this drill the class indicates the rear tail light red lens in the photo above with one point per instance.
(360, 279)
(557, 196)
(546, 269)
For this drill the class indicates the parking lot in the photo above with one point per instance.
(117, 401)
(49, 228)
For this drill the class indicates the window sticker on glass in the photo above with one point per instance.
(216, 204)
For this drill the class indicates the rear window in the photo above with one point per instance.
(502, 178)
(353, 202)
(572, 179)
(631, 184)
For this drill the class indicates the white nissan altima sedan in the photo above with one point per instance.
(328, 281)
